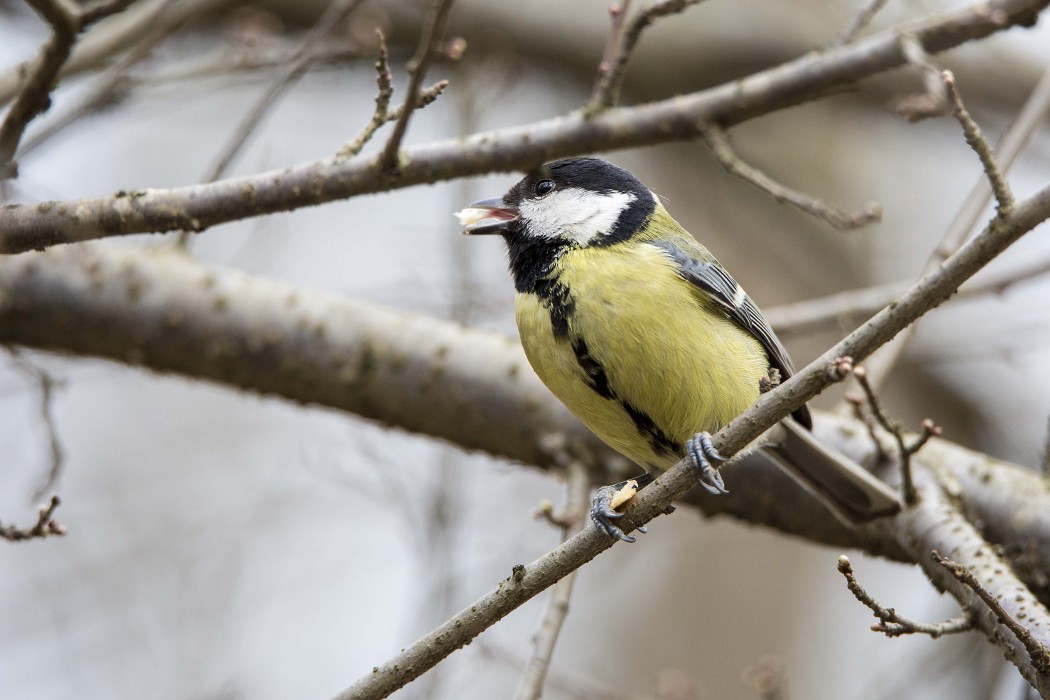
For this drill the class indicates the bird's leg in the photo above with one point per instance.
(703, 453)
(609, 498)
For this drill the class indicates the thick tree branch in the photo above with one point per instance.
(27, 227)
(171, 313)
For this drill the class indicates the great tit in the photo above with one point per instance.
(643, 335)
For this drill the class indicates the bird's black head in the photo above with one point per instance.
(565, 204)
(572, 202)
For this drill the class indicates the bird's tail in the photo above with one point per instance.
(848, 490)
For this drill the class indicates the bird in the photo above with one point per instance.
(646, 338)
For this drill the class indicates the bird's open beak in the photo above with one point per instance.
(486, 217)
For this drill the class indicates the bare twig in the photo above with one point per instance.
(526, 582)
(861, 20)
(300, 63)
(852, 305)
(890, 622)
(933, 101)
(44, 527)
(34, 97)
(622, 41)
(382, 113)
(546, 635)
(1038, 652)
(385, 90)
(1011, 145)
(718, 141)
(975, 137)
(856, 403)
(618, 12)
(116, 81)
(28, 227)
(47, 385)
(894, 428)
(431, 35)
(309, 51)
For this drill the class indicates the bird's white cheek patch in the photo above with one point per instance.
(574, 214)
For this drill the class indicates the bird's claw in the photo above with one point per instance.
(603, 515)
(703, 453)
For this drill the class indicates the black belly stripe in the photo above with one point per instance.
(598, 381)
(661, 443)
(592, 369)
(560, 305)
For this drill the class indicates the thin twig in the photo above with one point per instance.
(1010, 147)
(611, 71)
(933, 101)
(1038, 653)
(894, 428)
(833, 310)
(382, 112)
(856, 403)
(115, 83)
(309, 50)
(385, 90)
(34, 97)
(47, 385)
(618, 12)
(299, 64)
(975, 137)
(431, 35)
(44, 527)
(861, 20)
(890, 622)
(718, 141)
(546, 635)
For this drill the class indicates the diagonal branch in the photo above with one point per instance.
(574, 518)
(622, 40)
(196, 207)
(718, 141)
(920, 522)
(299, 63)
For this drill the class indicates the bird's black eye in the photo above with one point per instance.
(543, 187)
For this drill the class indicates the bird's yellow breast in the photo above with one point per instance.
(646, 360)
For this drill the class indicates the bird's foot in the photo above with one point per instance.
(605, 503)
(703, 453)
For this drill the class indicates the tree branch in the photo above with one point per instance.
(45, 525)
(890, 622)
(433, 30)
(920, 526)
(828, 312)
(1011, 145)
(574, 518)
(718, 141)
(34, 96)
(27, 227)
(623, 39)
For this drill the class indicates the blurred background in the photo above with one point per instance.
(223, 545)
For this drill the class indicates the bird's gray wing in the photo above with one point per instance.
(711, 278)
